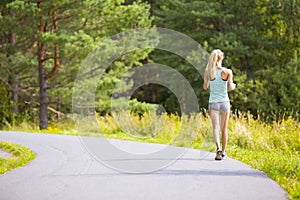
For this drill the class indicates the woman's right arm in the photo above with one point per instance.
(231, 84)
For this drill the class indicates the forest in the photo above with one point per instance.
(43, 44)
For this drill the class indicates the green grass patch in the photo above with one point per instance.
(283, 167)
(21, 156)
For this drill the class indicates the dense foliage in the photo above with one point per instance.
(261, 45)
(42, 45)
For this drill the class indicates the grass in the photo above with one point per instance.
(283, 167)
(21, 156)
(272, 148)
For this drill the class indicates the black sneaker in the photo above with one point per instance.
(218, 155)
(223, 155)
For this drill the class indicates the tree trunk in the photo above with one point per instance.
(43, 101)
(42, 53)
(43, 89)
(14, 80)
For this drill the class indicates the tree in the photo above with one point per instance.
(16, 48)
(59, 34)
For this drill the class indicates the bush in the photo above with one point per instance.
(107, 106)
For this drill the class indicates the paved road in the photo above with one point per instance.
(65, 170)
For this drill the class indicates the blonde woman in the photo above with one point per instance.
(219, 81)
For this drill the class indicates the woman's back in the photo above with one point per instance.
(218, 89)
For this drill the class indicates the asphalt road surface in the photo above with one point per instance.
(69, 168)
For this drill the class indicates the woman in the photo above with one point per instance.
(219, 81)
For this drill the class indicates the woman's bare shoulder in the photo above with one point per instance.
(226, 70)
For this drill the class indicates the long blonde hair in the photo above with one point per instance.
(210, 70)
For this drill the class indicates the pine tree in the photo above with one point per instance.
(54, 37)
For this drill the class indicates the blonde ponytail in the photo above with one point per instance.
(211, 65)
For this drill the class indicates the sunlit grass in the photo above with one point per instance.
(20, 156)
(281, 166)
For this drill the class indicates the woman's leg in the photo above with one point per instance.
(214, 117)
(224, 125)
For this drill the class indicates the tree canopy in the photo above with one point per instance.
(43, 43)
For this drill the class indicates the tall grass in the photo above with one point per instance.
(164, 128)
(273, 148)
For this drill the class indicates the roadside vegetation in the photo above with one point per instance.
(20, 156)
(273, 148)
